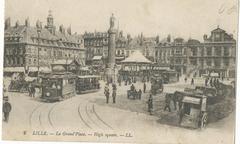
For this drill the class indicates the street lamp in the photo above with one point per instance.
(38, 31)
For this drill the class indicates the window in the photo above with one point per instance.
(226, 51)
(209, 62)
(218, 51)
(209, 51)
(226, 62)
(194, 51)
(217, 62)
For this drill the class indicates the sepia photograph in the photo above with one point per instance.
(120, 71)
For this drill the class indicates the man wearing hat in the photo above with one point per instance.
(6, 108)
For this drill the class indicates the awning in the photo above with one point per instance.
(41, 69)
(97, 58)
(89, 76)
(192, 100)
(13, 69)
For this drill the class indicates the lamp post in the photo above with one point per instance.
(38, 31)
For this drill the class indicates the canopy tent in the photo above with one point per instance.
(137, 57)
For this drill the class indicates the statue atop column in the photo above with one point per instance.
(112, 21)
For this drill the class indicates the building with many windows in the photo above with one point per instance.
(217, 53)
(33, 46)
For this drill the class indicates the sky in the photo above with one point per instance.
(180, 18)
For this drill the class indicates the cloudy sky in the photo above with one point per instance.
(181, 18)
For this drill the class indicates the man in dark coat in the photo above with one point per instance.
(144, 87)
(106, 92)
(114, 93)
(33, 91)
(140, 94)
(150, 104)
(206, 81)
(211, 82)
(192, 82)
(167, 102)
(6, 110)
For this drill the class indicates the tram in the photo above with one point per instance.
(58, 86)
(87, 84)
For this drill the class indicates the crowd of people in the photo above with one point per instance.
(213, 82)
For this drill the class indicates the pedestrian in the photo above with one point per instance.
(119, 81)
(211, 82)
(215, 82)
(140, 94)
(6, 109)
(192, 82)
(167, 102)
(30, 90)
(150, 104)
(125, 82)
(222, 78)
(114, 93)
(206, 81)
(129, 80)
(106, 92)
(185, 79)
(132, 88)
(33, 91)
(144, 87)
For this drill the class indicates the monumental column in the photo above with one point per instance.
(111, 66)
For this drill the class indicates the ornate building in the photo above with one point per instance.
(173, 53)
(216, 54)
(96, 44)
(33, 46)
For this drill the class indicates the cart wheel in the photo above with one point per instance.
(204, 120)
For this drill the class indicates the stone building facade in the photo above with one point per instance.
(217, 53)
(33, 46)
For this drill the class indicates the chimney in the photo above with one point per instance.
(61, 29)
(169, 38)
(27, 23)
(38, 24)
(69, 31)
(205, 37)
